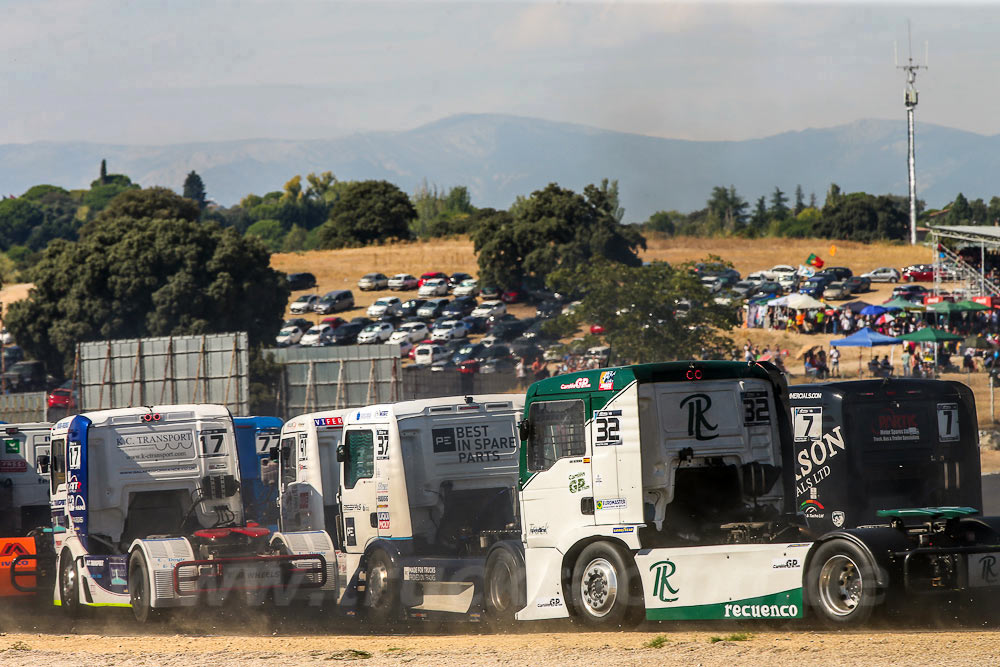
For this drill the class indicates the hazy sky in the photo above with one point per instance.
(181, 70)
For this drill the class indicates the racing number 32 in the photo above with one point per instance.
(608, 429)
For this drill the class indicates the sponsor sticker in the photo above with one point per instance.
(761, 611)
(328, 421)
(383, 521)
(580, 383)
(786, 564)
(420, 573)
(611, 504)
(805, 394)
(13, 465)
(12, 446)
(538, 530)
(577, 482)
(550, 602)
(838, 518)
(607, 381)
(618, 530)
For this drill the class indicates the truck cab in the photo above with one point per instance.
(309, 475)
(255, 438)
(24, 478)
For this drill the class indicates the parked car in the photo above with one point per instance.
(838, 290)
(883, 274)
(432, 308)
(918, 272)
(449, 330)
(468, 287)
(411, 331)
(427, 354)
(460, 307)
(772, 287)
(373, 281)
(298, 281)
(387, 305)
(457, 279)
(838, 272)
(859, 284)
(299, 322)
(431, 275)
(475, 325)
(362, 320)
(377, 332)
(790, 282)
(536, 332)
(548, 309)
(62, 397)
(915, 293)
(490, 292)
(778, 271)
(744, 288)
(814, 286)
(402, 282)
(334, 302)
(333, 321)
(433, 287)
(6, 337)
(347, 334)
(489, 309)
(304, 304)
(467, 351)
(410, 308)
(320, 334)
(513, 295)
(289, 335)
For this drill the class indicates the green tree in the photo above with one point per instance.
(104, 172)
(862, 217)
(832, 195)
(270, 232)
(759, 219)
(17, 219)
(320, 185)
(779, 204)
(728, 208)
(37, 192)
(156, 203)
(368, 212)
(130, 278)
(959, 212)
(665, 222)
(993, 212)
(194, 189)
(800, 200)
(552, 228)
(978, 212)
(656, 312)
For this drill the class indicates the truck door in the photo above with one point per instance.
(558, 495)
(357, 491)
(292, 510)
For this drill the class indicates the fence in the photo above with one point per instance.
(177, 369)
(28, 407)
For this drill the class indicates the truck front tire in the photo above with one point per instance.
(504, 586)
(69, 585)
(381, 590)
(604, 587)
(840, 584)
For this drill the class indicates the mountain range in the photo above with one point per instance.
(499, 157)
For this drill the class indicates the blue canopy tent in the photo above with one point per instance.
(873, 311)
(864, 338)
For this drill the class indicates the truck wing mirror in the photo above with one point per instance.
(341, 453)
(524, 429)
(273, 453)
(42, 464)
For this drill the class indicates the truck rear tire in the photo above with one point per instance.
(840, 584)
(604, 587)
(69, 585)
(381, 590)
(504, 587)
(139, 589)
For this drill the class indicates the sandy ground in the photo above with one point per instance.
(724, 646)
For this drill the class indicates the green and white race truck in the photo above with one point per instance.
(667, 491)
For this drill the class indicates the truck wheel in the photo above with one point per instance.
(69, 585)
(604, 588)
(139, 591)
(840, 584)
(381, 590)
(504, 586)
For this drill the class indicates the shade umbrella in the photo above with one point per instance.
(864, 338)
(949, 307)
(899, 303)
(804, 302)
(972, 305)
(931, 335)
(884, 318)
(856, 306)
(873, 311)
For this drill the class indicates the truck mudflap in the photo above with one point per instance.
(17, 555)
(250, 573)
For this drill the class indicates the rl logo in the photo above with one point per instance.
(988, 573)
(698, 405)
(662, 572)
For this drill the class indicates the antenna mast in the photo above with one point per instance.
(910, 100)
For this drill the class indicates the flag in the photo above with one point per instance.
(813, 260)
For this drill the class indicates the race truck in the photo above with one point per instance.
(667, 491)
(869, 445)
(24, 502)
(255, 438)
(427, 488)
(148, 502)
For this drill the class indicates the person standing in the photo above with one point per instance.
(905, 360)
(834, 361)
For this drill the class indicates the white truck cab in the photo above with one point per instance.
(24, 478)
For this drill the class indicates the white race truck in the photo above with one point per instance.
(148, 500)
(426, 489)
(24, 478)
(667, 491)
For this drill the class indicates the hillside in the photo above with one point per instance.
(500, 157)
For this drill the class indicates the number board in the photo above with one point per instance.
(755, 408)
(265, 441)
(212, 441)
(807, 423)
(607, 428)
(382, 440)
(947, 414)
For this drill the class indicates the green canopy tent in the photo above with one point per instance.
(972, 305)
(899, 303)
(931, 335)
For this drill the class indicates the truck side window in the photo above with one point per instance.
(288, 461)
(558, 431)
(58, 468)
(360, 462)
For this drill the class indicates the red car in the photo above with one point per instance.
(333, 321)
(430, 275)
(919, 273)
(413, 350)
(61, 398)
(469, 366)
(596, 329)
(513, 296)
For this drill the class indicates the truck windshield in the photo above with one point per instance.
(58, 467)
(557, 431)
